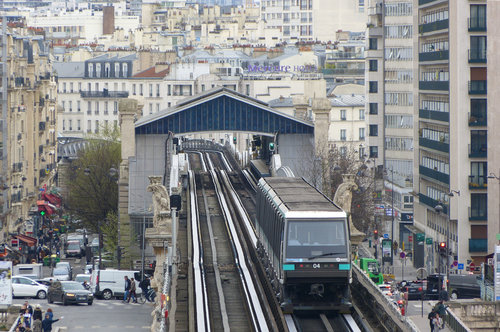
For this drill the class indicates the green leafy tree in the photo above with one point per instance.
(93, 191)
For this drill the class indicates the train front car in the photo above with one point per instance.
(312, 259)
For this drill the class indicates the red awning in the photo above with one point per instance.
(30, 241)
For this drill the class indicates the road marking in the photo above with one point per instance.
(146, 327)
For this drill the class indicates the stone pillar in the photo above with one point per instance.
(128, 109)
(321, 108)
(300, 104)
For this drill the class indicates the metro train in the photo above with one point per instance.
(304, 245)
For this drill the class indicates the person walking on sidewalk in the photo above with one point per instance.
(430, 317)
(47, 323)
(132, 291)
(127, 288)
(437, 322)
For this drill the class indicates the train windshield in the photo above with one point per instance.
(308, 239)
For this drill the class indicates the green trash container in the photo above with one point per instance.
(46, 261)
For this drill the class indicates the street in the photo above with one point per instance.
(112, 315)
(103, 315)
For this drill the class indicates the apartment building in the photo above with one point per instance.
(390, 99)
(31, 123)
(451, 155)
(308, 20)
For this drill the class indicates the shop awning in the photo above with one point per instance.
(30, 241)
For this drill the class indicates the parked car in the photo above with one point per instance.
(82, 277)
(61, 274)
(74, 249)
(69, 292)
(66, 265)
(111, 283)
(44, 282)
(22, 286)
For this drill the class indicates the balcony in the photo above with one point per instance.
(477, 55)
(430, 173)
(434, 145)
(424, 2)
(478, 245)
(477, 25)
(434, 115)
(343, 71)
(478, 182)
(434, 56)
(431, 202)
(434, 26)
(478, 87)
(477, 120)
(104, 94)
(478, 151)
(374, 31)
(434, 85)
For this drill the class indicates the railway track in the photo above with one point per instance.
(224, 289)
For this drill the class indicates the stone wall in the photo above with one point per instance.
(478, 315)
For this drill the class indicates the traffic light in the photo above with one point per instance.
(442, 247)
(375, 234)
(42, 213)
(271, 146)
(234, 139)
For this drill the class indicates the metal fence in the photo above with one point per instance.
(455, 323)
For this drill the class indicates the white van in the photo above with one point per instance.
(111, 283)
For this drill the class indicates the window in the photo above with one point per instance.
(373, 65)
(70, 125)
(71, 87)
(78, 125)
(478, 112)
(398, 9)
(399, 121)
(373, 87)
(373, 108)
(64, 125)
(398, 31)
(63, 106)
(373, 130)
(477, 48)
(478, 141)
(89, 87)
(89, 126)
(79, 86)
(343, 115)
(115, 108)
(89, 108)
(105, 108)
(362, 114)
(478, 174)
(399, 53)
(372, 43)
(107, 67)
(98, 69)
(70, 104)
(362, 134)
(125, 70)
(117, 70)
(342, 134)
(91, 69)
(151, 90)
(157, 90)
(373, 151)
(150, 108)
(399, 98)
(140, 89)
(115, 124)
(96, 126)
(477, 19)
(479, 206)
(157, 107)
(78, 109)
(343, 151)
(96, 111)
(133, 89)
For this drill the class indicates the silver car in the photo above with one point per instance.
(61, 274)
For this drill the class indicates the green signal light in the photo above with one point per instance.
(42, 213)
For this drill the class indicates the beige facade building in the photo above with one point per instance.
(307, 20)
(390, 100)
(451, 156)
(31, 128)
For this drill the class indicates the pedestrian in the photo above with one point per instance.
(50, 313)
(144, 285)
(28, 307)
(430, 317)
(132, 291)
(437, 322)
(127, 288)
(37, 313)
(47, 323)
(37, 325)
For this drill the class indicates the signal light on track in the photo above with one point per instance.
(271, 146)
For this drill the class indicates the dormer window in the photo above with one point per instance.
(91, 69)
(124, 69)
(98, 69)
(107, 69)
(117, 70)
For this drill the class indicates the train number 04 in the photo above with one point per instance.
(316, 266)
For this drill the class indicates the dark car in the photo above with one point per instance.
(414, 291)
(43, 282)
(69, 292)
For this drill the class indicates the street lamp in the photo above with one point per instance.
(494, 176)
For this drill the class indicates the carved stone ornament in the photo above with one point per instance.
(161, 204)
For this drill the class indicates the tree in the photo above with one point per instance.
(348, 162)
(93, 191)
